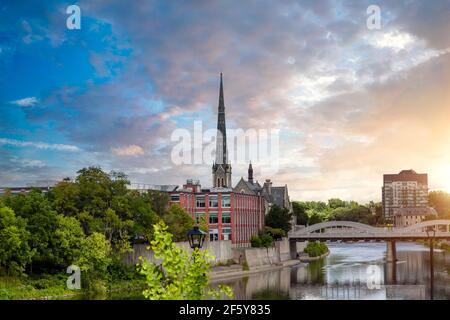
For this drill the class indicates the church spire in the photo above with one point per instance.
(250, 173)
(221, 142)
(221, 168)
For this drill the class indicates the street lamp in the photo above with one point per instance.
(431, 231)
(196, 237)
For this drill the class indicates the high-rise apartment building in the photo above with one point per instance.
(406, 189)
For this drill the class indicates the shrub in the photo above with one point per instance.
(315, 249)
(256, 241)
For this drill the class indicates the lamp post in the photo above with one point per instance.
(431, 232)
(196, 237)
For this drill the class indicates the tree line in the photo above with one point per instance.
(91, 222)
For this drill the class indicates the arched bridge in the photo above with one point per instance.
(355, 231)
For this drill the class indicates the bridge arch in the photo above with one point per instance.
(424, 224)
(355, 226)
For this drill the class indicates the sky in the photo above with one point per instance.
(350, 103)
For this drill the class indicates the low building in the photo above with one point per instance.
(230, 215)
(410, 215)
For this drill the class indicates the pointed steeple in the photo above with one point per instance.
(250, 173)
(221, 142)
(221, 168)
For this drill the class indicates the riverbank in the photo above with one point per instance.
(54, 287)
(309, 259)
(235, 270)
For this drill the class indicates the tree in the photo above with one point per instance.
(440, 201)
(159, 201)
(15, 252)
(94, 259)
(279, 218)
(68, 239)
(300, 211)
(178, 277)
(143, 216)
(336, 203)
(179, 222)
(41, 225)
(313, 217)
(65, 198)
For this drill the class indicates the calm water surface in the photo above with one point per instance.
(344, 275)
(349, 271)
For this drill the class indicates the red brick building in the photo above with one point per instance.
(230, 215)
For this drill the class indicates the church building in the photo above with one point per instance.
(231, 214)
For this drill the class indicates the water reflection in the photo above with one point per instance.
(343, 275)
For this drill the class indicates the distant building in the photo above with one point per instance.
(19, 190)
(143, 187)
(407, 216)
(406, 189)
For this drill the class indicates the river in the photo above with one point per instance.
(354, 271)
(351, 271)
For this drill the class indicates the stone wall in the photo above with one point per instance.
(220, 249)
(256, 257)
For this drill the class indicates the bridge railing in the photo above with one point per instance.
(346, 228)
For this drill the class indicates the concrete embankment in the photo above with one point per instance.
(236, 271)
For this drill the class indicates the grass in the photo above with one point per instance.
(19, 288)
(54, 287)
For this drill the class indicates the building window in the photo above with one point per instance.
(226, 217)
(226, 233)
(199, 216)
(200, 201)
(213, 218)
(213, 235)
(226, 203)
(175, 198)
(213, 202)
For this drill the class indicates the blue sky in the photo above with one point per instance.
(348, 101)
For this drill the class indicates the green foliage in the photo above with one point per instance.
(179, 222)
(255, 241)
(159, 201)
(316, 249)
(203, 224)
(179, 277)
(300, 211)
(337, 209)
(279, 218)
(440, 201)
(276, 233)
(68, 239)
(15, 252)
(263, 239)
(93, 261)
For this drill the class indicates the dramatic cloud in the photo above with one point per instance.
(350, 103)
